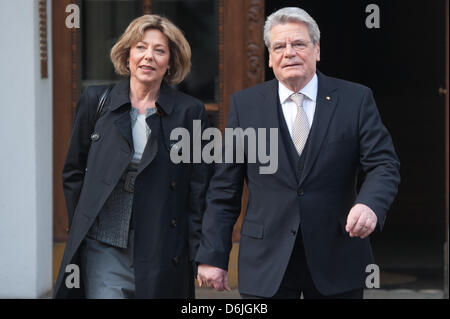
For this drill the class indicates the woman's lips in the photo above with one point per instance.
(147, 68)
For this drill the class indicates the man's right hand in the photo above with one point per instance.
(213, 277)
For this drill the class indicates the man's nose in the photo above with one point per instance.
(289, 51)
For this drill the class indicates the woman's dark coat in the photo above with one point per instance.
(168, 199)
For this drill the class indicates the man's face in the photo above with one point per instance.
(292, 55)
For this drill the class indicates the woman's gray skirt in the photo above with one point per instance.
(107, 271)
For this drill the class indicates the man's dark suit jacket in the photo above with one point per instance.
(347, 137)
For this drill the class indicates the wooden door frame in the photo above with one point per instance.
(65, 95)
(241, 61)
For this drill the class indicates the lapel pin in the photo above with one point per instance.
(328, 98)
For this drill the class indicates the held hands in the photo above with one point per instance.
(213, 277)
(361, 221)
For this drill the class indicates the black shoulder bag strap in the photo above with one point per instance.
(101, 102)
(98, 113)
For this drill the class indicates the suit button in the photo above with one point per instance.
(293, 232)
(173, 185)
(175, 260)
(300, 192)
(95, 137)
(173, 223)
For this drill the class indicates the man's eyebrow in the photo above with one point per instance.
(278, 43)
(295, 40)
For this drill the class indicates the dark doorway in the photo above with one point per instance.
(403, 62)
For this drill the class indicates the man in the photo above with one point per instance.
(307, 226)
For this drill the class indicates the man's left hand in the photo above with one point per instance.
(361, 221)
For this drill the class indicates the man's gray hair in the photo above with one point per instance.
(291, 14)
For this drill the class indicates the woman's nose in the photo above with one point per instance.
(149, 54)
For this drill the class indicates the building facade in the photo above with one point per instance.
(53, 49)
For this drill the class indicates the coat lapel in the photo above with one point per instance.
(151, 148)
(325, 106)
(120, 96)
(158, 124)
(123, 123)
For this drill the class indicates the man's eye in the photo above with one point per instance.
(278, 47)
(299, 45)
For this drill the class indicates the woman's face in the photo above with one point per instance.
(149, 58)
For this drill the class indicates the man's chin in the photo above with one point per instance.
(295, 78)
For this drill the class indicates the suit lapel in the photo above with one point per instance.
(325, 107)
(272, 119)
(287, 141)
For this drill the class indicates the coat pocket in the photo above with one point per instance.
(252, 230)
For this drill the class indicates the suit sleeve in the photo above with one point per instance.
(75, 164)
(199, 182)
(378, 160)
(223, 206)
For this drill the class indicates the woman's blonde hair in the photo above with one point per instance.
(180, 51)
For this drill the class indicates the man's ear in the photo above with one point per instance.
(270, 60)
(317, 48)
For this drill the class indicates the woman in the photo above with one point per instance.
(134, 215)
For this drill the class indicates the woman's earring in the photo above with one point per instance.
(168, 71)
(128, 65)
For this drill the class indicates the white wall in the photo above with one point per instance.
(26, 208)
